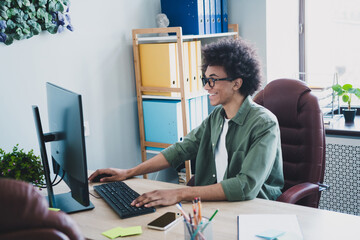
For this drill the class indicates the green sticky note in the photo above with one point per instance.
(54, 209)
(113, 233)
(122, 232)
(131, 231)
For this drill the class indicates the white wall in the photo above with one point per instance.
(282, 25)
(251, 17)
(96, 61)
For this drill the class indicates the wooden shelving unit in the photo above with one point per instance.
(141, 36)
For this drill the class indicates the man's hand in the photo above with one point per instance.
(116, 174)
(158, 197)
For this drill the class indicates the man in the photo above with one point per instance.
(237, 147)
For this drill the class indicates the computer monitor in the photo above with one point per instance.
(68, 154)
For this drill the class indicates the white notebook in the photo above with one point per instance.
(268, 226)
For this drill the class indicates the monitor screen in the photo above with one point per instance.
(68, 153)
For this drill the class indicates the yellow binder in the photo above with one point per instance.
(158, 67)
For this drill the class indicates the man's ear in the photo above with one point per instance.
(238, 83)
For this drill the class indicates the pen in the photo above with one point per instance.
(199, 205)
(196, 231)
(209, 220)
(188, 227)
(178, 205)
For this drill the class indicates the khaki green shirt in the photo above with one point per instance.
(253, 147)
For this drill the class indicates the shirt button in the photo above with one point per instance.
(213, 144)
(213, 175)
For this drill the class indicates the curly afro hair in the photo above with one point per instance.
(239, 60)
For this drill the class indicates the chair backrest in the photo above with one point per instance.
(302, 132)
(25, 215)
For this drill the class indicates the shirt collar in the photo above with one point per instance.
(242, 113)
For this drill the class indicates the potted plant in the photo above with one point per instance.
(346, 91)
(21, 166)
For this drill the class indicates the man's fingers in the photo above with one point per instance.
(144, 199)
(154, 203)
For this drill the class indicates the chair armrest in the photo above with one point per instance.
(297, 192)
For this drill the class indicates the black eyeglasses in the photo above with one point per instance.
(212, 81)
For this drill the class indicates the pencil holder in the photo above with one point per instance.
(202, 231)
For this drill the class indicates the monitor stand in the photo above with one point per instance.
(67, 204)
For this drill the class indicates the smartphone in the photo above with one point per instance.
(165, 221)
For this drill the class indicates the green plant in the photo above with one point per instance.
(22, 19)
(21, 166)
(346, 91)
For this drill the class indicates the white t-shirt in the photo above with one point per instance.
(221, 156)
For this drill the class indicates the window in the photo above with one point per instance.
(331, 41)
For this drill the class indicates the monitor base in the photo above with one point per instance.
(67, 204)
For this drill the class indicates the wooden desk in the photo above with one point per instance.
(314, 223)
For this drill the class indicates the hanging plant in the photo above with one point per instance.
(22, 19)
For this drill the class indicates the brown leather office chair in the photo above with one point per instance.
(302, 139)
(24, 214)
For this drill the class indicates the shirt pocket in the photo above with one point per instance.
(236, 161)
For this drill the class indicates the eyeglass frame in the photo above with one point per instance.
(206, 80)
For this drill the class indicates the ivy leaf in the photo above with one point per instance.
(9, 40)
(32, 15)
(18, 34)
(34, 26)
(26, 30)
(26, 3)
(52, 6)
(19, 16)
(345, 98)
(52, 28)
(31, 8)
(42, 3)
(8, 3)
(59, 7)
(41, 13)
(3, 13)
(10, 24)
(20, 3)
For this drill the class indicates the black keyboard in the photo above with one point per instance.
(119, 196)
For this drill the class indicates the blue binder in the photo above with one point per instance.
(218, 16)
(188, 14)
(212, 17)
(224, 16)
(207, 16)
(162, 121)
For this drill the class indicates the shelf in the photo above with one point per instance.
(151, 35)
(174, 98)
(173, 38)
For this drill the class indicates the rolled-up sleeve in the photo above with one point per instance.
(179, 152)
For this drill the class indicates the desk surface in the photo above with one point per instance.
(314, 223)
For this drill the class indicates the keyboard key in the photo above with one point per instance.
(119, 197)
